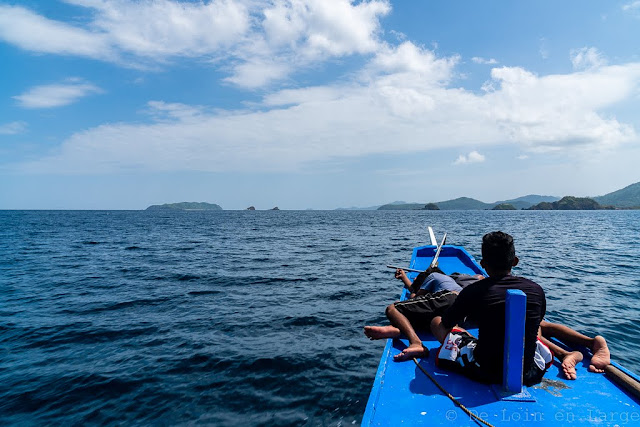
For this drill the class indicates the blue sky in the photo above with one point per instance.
(119, 104)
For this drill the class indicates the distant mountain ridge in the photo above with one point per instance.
(627, 197)
(467, 203)
(369, 208)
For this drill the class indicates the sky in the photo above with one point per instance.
(315, 104)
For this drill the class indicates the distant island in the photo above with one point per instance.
(195, 206)
(185, 206)
(569, 203)
(506, 207)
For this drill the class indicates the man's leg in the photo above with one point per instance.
(381, 332)
(569, 359)
(597, 345)
(439, 331)
(415, 349)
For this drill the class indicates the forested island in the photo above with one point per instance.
(569, 203)
(504, 207)
(186, 206)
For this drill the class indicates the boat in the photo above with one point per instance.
(404, 394)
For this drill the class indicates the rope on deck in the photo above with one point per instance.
(453, 399)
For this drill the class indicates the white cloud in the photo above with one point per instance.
(325, 27)
(165, 111)
(258, 72)
(29, 31)
(13, 128)
(409, 58)
(558, 112)
(56, 95)
(632, 6)
(163, 28)
(484, 61)
(543, 50)
(256, 41)
(472, 157)
(400, 36)
(295, 34)
(587, 58)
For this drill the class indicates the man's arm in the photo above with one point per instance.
(442, 325)
(460, 308)
(401, 275)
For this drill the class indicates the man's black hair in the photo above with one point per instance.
(419, 280)
(498, 250)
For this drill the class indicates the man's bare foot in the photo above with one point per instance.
(601, 356)
(381, 332)
(569, 364)
(414, 350)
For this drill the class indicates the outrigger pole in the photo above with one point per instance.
(432, 236)
(434, 263)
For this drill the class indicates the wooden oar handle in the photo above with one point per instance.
(411, 270)
(623, 380)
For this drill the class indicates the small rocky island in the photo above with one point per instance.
(503, 207)
(186, 206)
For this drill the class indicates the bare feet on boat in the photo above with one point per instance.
(600, 359)
(569, 364)
(414, 350)
(381, 332)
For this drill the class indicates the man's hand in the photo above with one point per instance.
(400, 274)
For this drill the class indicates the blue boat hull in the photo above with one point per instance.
(402, 394)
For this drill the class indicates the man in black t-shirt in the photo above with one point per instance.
(484, 301)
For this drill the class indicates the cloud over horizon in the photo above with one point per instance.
(393, 108)
(402, 98)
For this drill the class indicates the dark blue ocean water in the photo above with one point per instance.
(255, 318)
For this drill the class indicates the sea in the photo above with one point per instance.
(255, 318)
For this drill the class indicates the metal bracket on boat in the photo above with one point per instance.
(512, 387)
(507, 396)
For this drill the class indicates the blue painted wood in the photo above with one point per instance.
(515, 312)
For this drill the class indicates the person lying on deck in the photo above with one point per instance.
(433, 280)
(432, 293)
(481, 358)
